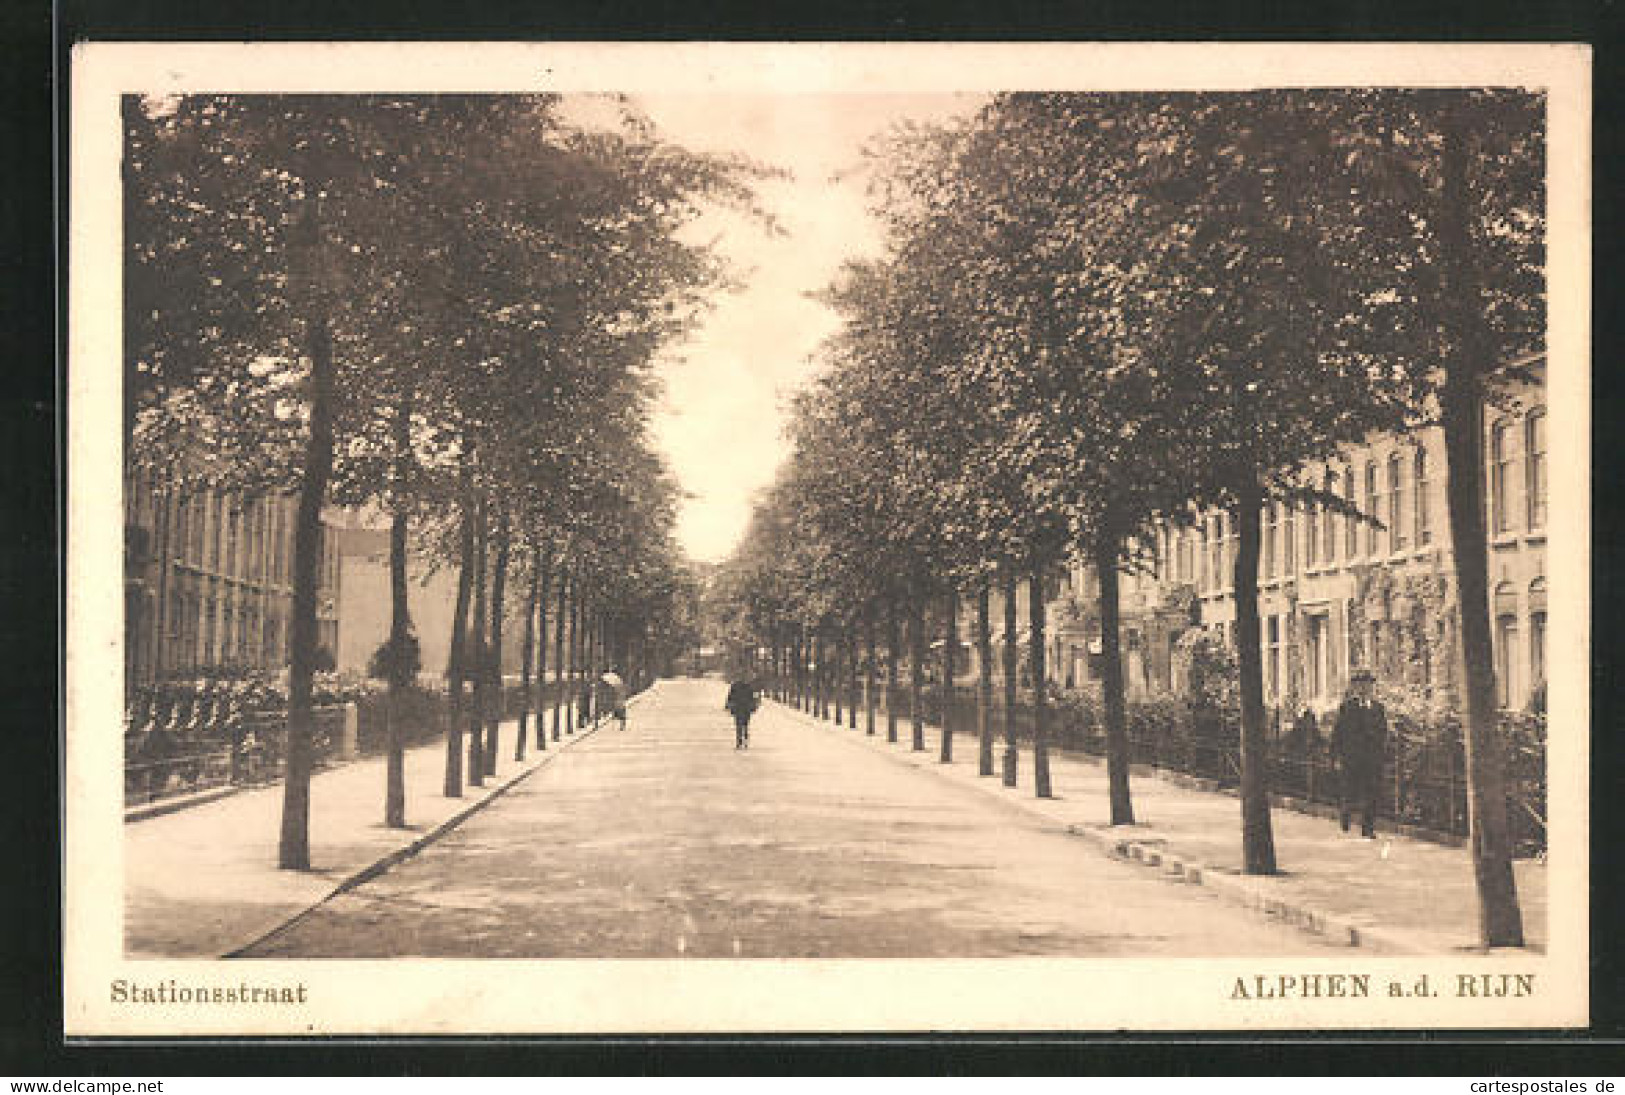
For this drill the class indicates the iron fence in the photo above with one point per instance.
(201, 742)
(245, 748)
(1424, 784)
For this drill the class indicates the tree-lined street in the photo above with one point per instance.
(664, 841)
(1088, 324)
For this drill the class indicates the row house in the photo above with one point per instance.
(365, 606)
(208, 580)
(1335, 592)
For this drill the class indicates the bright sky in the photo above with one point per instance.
(727, 387)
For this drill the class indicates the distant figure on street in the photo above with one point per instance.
(742, 703)
(1358, 740)
(615, 691)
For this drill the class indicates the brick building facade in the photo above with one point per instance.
(1335, 592)
(208, 581)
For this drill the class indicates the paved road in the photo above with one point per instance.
(665, 841)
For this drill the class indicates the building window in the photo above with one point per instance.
(183, 530)
(1424, 521)
(1537, 633)
(1535, 466)
(1506, 658)
(1289, 562)
(1316, 656)
(192, 541)
(1371, 508)
(1272, 520)
(234, 522)
(1500, 472)
(1311, 537)
(1272, 656)
(1506, 644)
(1351, 527)
(1329, 529)
(212, 510)
(206, 655)
(1215, 548)
(1396, 504)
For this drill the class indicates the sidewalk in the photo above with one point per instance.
(1393, 894)
(203, 882)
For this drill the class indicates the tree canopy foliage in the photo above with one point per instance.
(1100, 312)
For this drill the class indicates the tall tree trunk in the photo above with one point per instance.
(1257, 835)
(560, 614)
(1111, 685)
(810, 670)
(819, 671)
(527, 652)
(778, 664)
(477, 661)
(837, 669)
(950, 639)
(984, 685)
(869, 671)
(795, 668)
(544, 564)
(852, 686)
(578, 713)
(400, 624)
(499, 596)
(1012, 663)
(832, 678)
(400, 676)
(916, 680)
(814, 668)
(798, 668)
(293, 851)
(894, 647)
(1036, 654)
(598, 662)
(457, 663)
(1500, 920)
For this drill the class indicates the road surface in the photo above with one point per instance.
(665, 841)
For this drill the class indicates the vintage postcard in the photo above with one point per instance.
(701, 538)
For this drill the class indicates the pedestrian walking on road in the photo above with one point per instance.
(1359, 739)
(742, 703)
(615, 690)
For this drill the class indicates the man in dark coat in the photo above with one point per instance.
(742, 703)
(1358, 740)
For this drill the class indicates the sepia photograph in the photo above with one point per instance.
(702, 538)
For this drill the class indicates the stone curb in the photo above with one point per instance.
(389, 860)
(160, 807)
(1236, 889)
(1250, 893)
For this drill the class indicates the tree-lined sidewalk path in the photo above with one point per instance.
(203, 882)
(665, 841)
(1397, 893)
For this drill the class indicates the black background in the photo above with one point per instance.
(33, 75)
